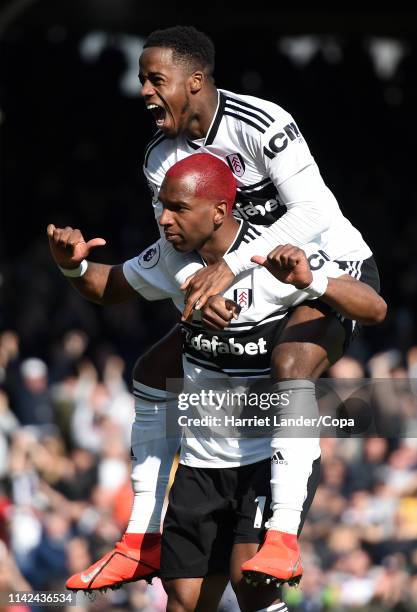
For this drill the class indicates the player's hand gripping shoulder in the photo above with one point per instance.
(209, 281)
(218, 311)
(68, 246)
(289, 264)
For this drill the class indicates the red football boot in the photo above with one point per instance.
(277, 561)
(120, 565)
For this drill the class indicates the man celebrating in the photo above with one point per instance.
(224, 523)
(279, 185)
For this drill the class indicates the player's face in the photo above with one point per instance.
(165, 90)
(187, 220)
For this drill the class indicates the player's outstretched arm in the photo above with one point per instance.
(100, 283)
(352, 298)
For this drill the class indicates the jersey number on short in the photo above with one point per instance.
(260, 501)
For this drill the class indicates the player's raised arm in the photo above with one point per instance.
(100, 283)
(310, 208)
(352, 298)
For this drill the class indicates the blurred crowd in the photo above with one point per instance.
(65, 491)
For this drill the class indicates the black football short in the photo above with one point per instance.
(211, 509)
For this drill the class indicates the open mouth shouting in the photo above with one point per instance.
(159, 113)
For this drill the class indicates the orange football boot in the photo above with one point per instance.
(120, 565)
(277, 561)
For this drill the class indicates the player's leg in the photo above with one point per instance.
(197, 539)
(153, 448)
(154, 444)
(250, 596)
(200, 594)
(313, 339)
(302, 354)
(253, 509)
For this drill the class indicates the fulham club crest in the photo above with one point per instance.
(243, 297)
(236, 164)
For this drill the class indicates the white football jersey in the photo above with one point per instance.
(275, 173)
(233, 358)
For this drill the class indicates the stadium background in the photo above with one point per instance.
(72, 135)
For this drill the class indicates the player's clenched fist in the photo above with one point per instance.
(218, 311)
(68, 246)
(288, 264)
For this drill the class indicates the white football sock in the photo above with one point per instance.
(294, 451)
(153, 456)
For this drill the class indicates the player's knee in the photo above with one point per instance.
(161, 362)
(303, 361)
(287, 365)
(174, 605)
(179, 600)
(152, 369)
(141, 369)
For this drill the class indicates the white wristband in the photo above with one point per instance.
(318, 285)
(75, 272)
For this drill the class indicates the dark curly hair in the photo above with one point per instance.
(188, 45)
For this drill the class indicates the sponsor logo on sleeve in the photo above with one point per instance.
(149, 257)
(280, 140)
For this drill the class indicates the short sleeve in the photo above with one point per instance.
(148, 275)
